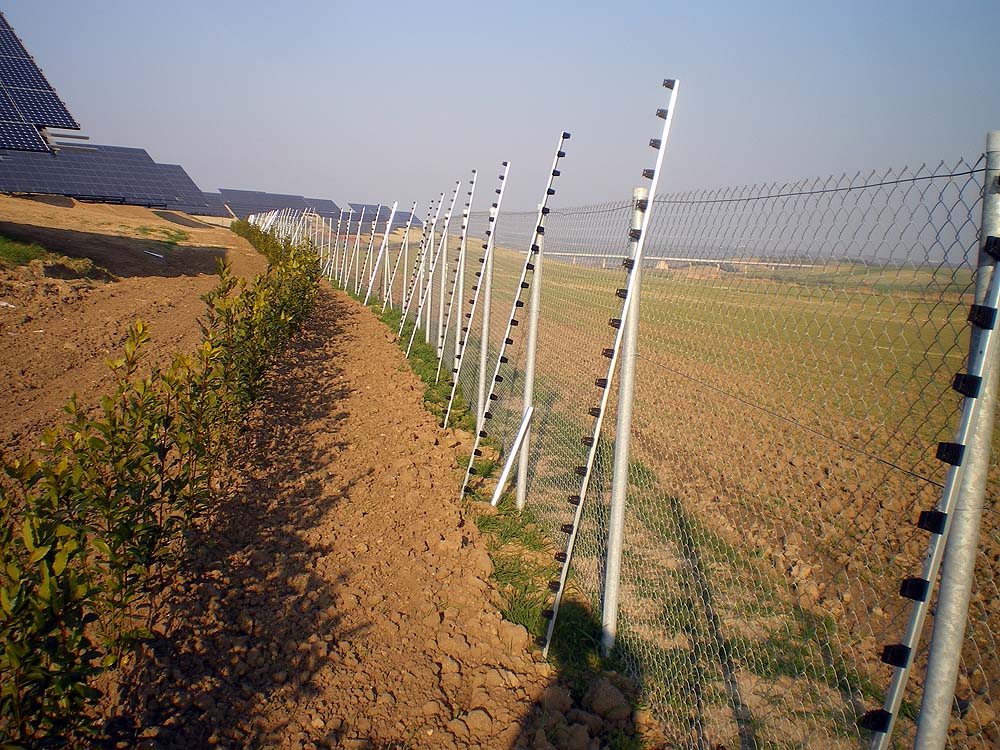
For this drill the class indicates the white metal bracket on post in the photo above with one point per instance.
(381, 251)
(599, 412)
(486, 413)
(428, 288)
(402, 254)
(456, 291)
(477, 290)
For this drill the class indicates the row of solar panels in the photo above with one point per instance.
(246, 202)
(109, 174)
(117, 174)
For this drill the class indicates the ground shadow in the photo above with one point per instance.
(589, 698)
(121, 256)
(251, 614)
(59, 201)
(182, 220)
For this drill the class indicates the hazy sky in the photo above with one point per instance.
(380, 101)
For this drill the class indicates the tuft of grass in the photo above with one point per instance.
(14, 253)
(165, 235)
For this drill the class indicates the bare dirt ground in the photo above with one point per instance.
(340, 598)
(57, 329)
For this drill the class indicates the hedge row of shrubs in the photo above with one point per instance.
(92, 521)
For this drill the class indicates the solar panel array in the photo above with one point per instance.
(109, 174)
(246, 202)
(216, 205)
(27, 100)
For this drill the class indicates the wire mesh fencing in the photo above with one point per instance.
(796, 354)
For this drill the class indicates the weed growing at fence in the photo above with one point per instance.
(91, 523)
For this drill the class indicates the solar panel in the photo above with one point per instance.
(27, 100)
(324, 207)
(246, 202)
(216, 205)
(99, 173)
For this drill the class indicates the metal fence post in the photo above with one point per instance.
(531, 344)
(958, 568)
(623, 436)
(484, 338)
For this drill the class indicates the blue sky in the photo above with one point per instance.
(358, 102)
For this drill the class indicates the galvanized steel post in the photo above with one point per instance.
(623, 437)
(958, 567)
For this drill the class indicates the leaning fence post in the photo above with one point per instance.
(623, 435)
(958, 567)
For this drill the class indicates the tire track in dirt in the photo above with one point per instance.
(339, 598)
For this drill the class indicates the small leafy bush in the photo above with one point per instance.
(91, 522)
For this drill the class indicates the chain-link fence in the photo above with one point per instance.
(797, 347)
(796, 353)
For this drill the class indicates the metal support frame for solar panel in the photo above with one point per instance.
(428, 289)
(619, 324)
(455, 293)
(491, 224)
(485, 413)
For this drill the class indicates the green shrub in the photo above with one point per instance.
(88, 523)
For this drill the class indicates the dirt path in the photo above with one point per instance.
(340, 598)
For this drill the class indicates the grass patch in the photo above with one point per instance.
(165, 235)
(14, 253)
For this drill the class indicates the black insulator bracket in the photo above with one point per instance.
(648, 173)
(615, 323)
(567, 528)
(983, 317)
(876, 721)
(933, 521)
(634, 234)
(951, 453)
(621, 293)
(655, 143)
(601, 382)
(992, 247)
(608, 353)
(967, 385)
(581, 471)
(594, 411)
(915, 588)
(896, 655)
